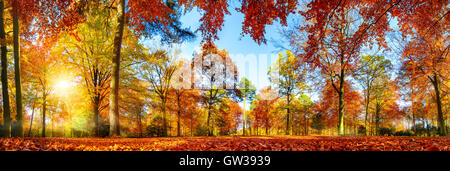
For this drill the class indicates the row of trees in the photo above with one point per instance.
(331, 39)
(77, 60)
(44, 21)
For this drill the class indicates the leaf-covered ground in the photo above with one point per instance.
(266, 143)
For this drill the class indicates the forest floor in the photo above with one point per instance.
(251, 143)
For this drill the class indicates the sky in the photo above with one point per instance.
(253, 60)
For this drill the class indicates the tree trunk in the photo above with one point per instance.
(288, 114)
(114, 129)
(306, 125)
(19, 116)
(341, 103)
(4, 77)
(441, 121)
(179, 123)
(208, 126)
(244, 119)
(367, 110)
(377, 119)
(179, 115)
(165, 131)
(96, 116)
(414, 122)
(32, 117)
(44, 108)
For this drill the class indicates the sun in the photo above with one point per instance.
(63, 87)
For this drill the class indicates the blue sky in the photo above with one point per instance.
(253, 60)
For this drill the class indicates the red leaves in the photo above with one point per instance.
(259, 13)
(148, 11)
(272, 143)
(213, 17)
(57, 16)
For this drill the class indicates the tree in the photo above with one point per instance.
(139, 12)
(19, 111)
(335, 35)
(263, 109)
(247, 92)
(302, 112)
(215, 74)
(158, 69)
(385, 94)
(328, 109)
(370, 69)
(5, 94)
(114, 128)
(181, 94)
(39, 68)
(135, 103)
(288, 81)
(86, 50)
(426, 54)
(227, 113)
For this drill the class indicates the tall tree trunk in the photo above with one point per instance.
(367, 110)
(96, 116)
(4, 77)
(44, 109)
(341, 103)
(244, 119)
(179, 115)
(377, 119)
(306, 125)
(32, 117)
(288, 114)
(414, 121)
(165, 130)
(19, 111)
(441, 120)
(114, 129)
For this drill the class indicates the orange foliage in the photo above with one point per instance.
(329, 104)
(269, 143)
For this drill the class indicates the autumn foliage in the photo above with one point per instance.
(269, 143)
(115, 75)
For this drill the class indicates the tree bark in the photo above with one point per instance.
(288, 114)
(441, 121)
(114, 129)
(32, 117)
(244, 119)
(96, 116)
(179, 115)
(367, 110)
(19, 111)
(341, 103)
(165, 131)
(44, 108)
(4, 77)
(377, 119)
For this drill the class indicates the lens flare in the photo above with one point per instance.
(63, 87)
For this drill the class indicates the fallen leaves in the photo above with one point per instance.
(268, 143)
